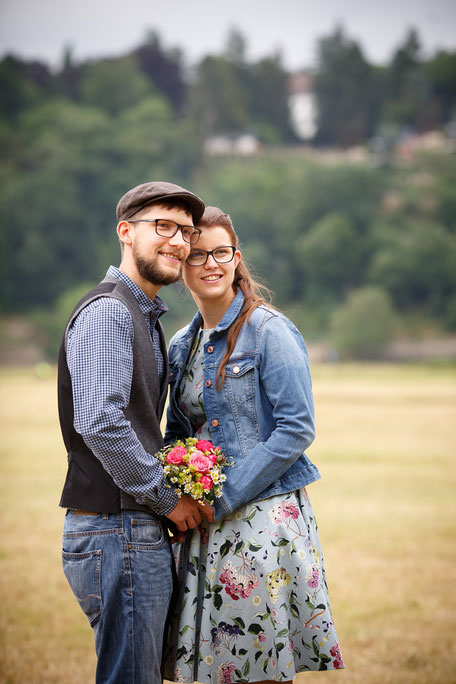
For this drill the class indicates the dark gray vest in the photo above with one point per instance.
(88, 486)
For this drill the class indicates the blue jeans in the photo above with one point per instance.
(120, 570)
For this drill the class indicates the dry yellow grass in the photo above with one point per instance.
(386, 508)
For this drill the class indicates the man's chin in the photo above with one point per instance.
(159, 276)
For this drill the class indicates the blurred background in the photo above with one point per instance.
(329, 135)
(328, 131)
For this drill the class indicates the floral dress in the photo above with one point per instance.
(253, 600)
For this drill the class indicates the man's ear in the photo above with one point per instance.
(123, 231)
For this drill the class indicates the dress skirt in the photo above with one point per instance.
(253, 600)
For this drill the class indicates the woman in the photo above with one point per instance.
(253, 604)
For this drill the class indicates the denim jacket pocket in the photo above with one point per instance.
(240, 379)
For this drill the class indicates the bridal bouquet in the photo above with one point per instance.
(194, 467)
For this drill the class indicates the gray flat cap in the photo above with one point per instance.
(139, 197)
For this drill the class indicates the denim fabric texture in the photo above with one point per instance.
(263, 417)
(119, 567)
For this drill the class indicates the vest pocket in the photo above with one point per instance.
(83, 572)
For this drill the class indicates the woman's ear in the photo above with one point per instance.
(237, 257)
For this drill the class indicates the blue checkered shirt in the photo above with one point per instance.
(100, 361)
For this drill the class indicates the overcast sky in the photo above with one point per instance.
(41, 28)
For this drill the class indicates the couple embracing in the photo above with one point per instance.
(244, 596)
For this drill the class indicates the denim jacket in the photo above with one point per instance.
(263, 417)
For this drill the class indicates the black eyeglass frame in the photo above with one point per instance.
(211, 253)
(196, 231)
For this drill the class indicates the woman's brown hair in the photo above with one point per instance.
(254, 292)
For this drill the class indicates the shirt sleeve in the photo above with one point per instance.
(100, 361)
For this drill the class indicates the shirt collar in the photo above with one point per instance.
(150, 307)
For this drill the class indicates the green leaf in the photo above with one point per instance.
(281, 542)
(279, 646)
(254, 545)
(225, 548)
(239, 622)
(294, 610)
(184, 629)
(218, 601)
(254, 628)
(246, 668)
(239, 547)
(250, 514)
(282, 633)
(181, 652)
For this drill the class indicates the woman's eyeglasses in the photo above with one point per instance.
(222, 255)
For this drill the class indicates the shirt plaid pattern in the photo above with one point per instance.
(100, 361)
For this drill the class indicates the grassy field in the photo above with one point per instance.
(386, 507)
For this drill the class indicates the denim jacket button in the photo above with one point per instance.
(208, 383)
(210, 349)
(236, 369)
(214, 423)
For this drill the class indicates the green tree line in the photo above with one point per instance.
(74, 140)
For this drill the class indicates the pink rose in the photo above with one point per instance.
(201, 462)
(204, 445)
(206, 481)
(175, 455)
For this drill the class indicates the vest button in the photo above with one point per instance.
(208, 383)
(214, 423)
(210, 349)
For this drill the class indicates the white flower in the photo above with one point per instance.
(209, 660)
(256, 600)
(302, 554)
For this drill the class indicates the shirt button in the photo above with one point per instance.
(210, 349)
(208, 383)
(214, 423)
(236, 369)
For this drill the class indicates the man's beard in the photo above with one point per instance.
(151, 271)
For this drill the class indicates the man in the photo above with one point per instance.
(113, 372)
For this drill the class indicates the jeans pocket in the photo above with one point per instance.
(146, 534)
(83, 572)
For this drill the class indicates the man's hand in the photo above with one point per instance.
(189, 513)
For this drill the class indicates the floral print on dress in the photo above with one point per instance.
(253, 602)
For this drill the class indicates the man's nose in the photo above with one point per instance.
(178, 239)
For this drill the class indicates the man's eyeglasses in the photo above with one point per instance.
(222, 255)
(166, 228)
